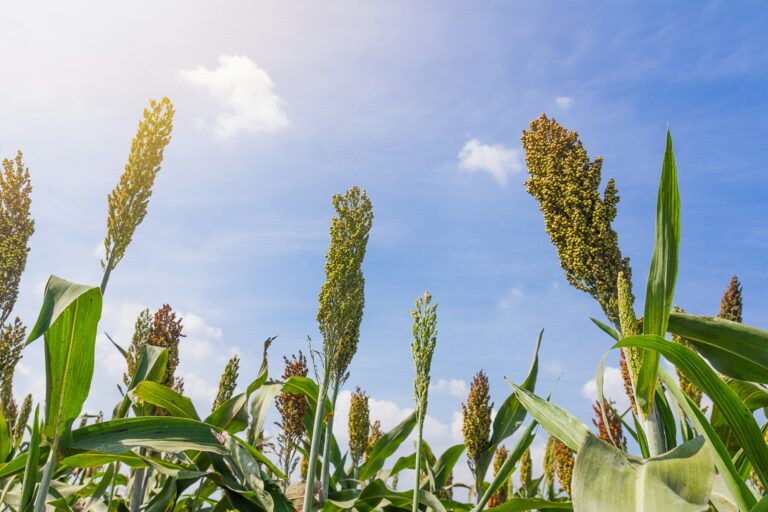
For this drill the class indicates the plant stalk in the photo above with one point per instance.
(309, 488)
(327, 445)
(45, 482)
(417, 465)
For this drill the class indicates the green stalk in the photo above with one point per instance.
(326, 477)
(653, 432)
(45, 482)
(107, 273)
(417, 466)
(317, 426)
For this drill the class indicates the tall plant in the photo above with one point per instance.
(422, 347)
(339, 316)
(127, 203)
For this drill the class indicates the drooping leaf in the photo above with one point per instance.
(605, 479)
(554, 419)
(30, 471)
(734, 349)
(156, 394)
(662, 275)
(161, 433)
(68, 320)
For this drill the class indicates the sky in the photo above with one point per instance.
(280, 105)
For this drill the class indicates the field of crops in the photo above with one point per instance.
(692, 440)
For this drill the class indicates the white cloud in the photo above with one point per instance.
(564, 102)
(246, 94)
(495, 159)
(453, 387)
(613, 388)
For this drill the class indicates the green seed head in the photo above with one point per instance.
(359, 425)
(228, 382)
(342, 295)
(140, 337)
(423, 347)
(549, 462)
(526, 469)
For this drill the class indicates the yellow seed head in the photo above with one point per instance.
(566, 183)
(549, 462)
(500, 496)
(526, 469)
(359, 425)
(477, 417)
(564, 461)
(373, 437)
(127, 203)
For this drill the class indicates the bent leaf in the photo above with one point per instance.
(161, 433)
(738, 416)
(734, 349)
(68, 320)
(554, 419)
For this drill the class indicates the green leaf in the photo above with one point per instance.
(734, 349)
(232, 415)
(164, 397)
(30, 471)
(510, 415)
(521, 504)
(261, 403)
(662, 274)
(722, 458)
(96, 459)
(738, 416)
(161, 433)
(554, 419)
(610, 331)
(607, 480)
(509, 465)
(386, 446)
(377, 493)
(754, 397)
(151, 367)
(445, 464)
(68, 320)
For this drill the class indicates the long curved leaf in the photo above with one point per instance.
(386, 446)
(161, 433)
(734, 349)
(68, 320)
(164, 397)
(737, 414)
(722, 458)
(554, 419)
(522, 504)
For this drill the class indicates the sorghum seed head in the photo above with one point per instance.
(477, 417)
(731, 303)
(228, 382)
(359, 425)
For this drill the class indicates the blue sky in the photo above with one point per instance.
(282, 104)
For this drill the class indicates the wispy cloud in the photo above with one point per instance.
(564, 102)
(453, 387)
(495, 159)
(245, 93)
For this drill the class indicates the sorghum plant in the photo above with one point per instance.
(359, 425)
(423, 347)
(339, 316)
(292, 408)
(500, 457)
(731, 305)
(127, 203)
(228, 382)
(565, 182)
(476, 426)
